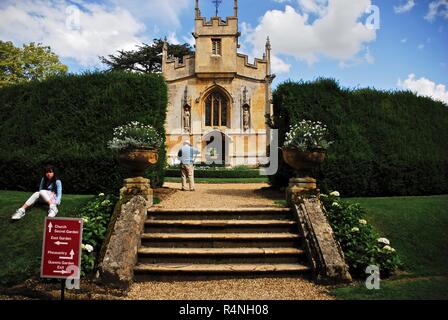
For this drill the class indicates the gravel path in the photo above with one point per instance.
(249, 288)
(293, 288)
(222, 196)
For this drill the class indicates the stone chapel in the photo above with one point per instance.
(217, 100)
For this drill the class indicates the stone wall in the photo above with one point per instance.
(120, 251)
(323, 250)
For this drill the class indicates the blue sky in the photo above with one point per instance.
(408, 49)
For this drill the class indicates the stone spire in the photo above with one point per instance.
(268, 56)
(268, 44)
(197, 11)
(164, 54)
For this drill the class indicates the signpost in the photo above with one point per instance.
(61, 249)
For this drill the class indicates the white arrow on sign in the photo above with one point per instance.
(50, 226)
(59, 243)
(61, 271)
(72, 254)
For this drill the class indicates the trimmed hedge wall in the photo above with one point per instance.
(386, 143)
(68, 120)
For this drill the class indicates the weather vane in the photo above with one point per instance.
(217, 3)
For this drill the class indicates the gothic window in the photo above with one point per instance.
(216, 110)
(216, 46)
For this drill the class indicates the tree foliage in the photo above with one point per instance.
(31, 62)
(147, 58)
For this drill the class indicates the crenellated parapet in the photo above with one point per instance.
(173, 69)
(216, 27)
(256, 70)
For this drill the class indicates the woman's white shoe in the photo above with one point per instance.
(53, 211)
(20, 213)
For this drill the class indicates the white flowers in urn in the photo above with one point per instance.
(307, 136)
(135, 135)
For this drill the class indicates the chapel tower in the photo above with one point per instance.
(217, 99)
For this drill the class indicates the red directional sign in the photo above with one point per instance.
(61, 250)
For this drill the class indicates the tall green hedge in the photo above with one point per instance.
(386, 143)
(68, 120)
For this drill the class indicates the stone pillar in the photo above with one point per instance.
(302, 186)
(137, 186)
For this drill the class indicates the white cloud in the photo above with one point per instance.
(318, 7)
(103, 27)
(368, 57)
(163, 12)
(337, 32)
(404, 40)
(425, 87)
(101, 31)
(437, 8)
(421, 46)
(172, 38)
(279, 66)
(190, 40)
(405, 7)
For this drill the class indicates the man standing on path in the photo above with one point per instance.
(187, 155)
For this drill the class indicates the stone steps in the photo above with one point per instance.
(220, 240)
(219, 268)
(221, 255)
(220, 214)
(243, 241)
(218, 251)
(219, 226)
(219, 236)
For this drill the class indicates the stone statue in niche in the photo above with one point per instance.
(187, 118)
(246, 117)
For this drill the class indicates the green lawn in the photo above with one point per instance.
(21, 241)
(222, 180)
(418, 228)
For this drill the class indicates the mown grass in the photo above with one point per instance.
(418, 228)
(21, 241)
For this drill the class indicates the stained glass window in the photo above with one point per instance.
(216, 110)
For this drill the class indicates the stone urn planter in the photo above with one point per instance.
(137, 161)
(303, 162)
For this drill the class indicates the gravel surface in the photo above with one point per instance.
(271, 288)
(230, 195)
